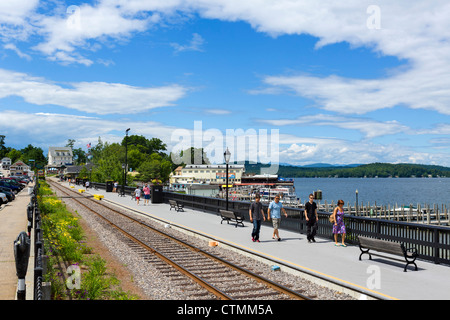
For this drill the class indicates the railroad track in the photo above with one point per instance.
(217, 277)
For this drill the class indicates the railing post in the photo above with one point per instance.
(436, 246)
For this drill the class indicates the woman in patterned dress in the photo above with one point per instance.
(339, 226)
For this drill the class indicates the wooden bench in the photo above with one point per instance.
(177, 206)
(394, 248)
(231, 216)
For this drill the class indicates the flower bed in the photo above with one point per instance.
(65, 245)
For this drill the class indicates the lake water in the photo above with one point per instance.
(383, 191)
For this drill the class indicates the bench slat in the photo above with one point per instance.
(382, 245)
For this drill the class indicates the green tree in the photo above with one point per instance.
(14, 155)
(37, 154)
(79, 156)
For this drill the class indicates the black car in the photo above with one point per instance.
(8, 192)
(14, 182)
(13, 187)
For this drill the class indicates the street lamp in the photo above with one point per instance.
(356, 202)
(125, 166)
(226, 156)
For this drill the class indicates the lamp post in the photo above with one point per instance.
(356, 209)
(125, 166)
(226, 156)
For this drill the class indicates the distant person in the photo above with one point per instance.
(311, 219)
(137, 194)
(116, 184)
(256, 212)
(339, 226)
(146, 190)
(87, 184)
(274, 213)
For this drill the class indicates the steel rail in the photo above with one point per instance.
(154, 251)
(275, 286)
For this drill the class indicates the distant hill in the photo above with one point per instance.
(381, 170)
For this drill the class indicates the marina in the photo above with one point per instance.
(437, 214)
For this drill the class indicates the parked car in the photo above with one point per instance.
(23, 184)
(13, 187)
(3, 199)
(23, 179)
(8, 192)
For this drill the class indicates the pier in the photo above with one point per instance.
(424, 214)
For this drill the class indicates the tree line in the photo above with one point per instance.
(146, 158)
(26, 154)
(381, 170)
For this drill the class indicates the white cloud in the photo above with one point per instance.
(419, 88)
(90, 97)
(44, 129)
(301, 151)
(14, 13)
(194, 45)
(65, 34)
(369, 128)
(217, 111)
(13, 47)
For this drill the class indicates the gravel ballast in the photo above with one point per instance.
(151, 276)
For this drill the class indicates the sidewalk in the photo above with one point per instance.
(378, 277)
(13, 220)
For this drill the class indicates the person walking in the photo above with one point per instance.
(256, 212)
(274, 213)
(311, 219)
(137, 194)
(339, 226)
(146, 190)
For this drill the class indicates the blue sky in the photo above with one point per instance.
(336, 83)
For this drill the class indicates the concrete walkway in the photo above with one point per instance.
(13, 220)
(378, 277)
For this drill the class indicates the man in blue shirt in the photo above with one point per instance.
(274, 212)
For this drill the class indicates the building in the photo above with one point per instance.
(5, 164)
(206, 174)
(74, 171)
(59, 158)
(19, 168)
(4, 167)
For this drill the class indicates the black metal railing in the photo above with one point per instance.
(22, 247)
(432, 242)
(38, 249)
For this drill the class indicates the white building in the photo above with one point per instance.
(4, 167)
(5, 164)
(58, 156)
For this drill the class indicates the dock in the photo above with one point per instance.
(424, 214)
